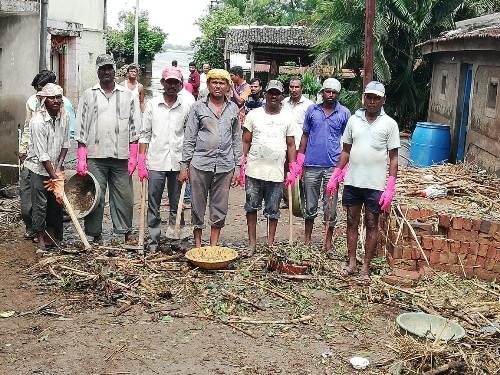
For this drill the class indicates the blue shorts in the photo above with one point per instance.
(355, 196)
(269, 191)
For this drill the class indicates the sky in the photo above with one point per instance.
(175, 17)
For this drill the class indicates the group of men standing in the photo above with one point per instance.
(234, 135)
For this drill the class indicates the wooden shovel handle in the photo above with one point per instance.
(142, 214)
(177, 229)
(77, 225)
(290, 214)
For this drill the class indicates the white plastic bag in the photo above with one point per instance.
(434, 191)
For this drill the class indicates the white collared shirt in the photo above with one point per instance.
(107, 125)
(163, 129)
(298, 112)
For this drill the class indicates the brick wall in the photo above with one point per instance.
(450, 243)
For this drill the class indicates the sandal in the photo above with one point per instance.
(345, 271)
(364, 280)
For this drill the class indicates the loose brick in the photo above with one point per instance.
(398, 252)
(494, 228)
(456, 223)
(470, 260)
(422, 228)
(480, 261)
(466, 223)
(476, 224)
(483, 249)
(437, 243)
(399, 281)
(472, 235)
(415, 254)
(474, 247)
(445, 221)
(489, 264)
(452, 258)
(497, 258)
(413, 275)
(485, 226)
(483, 274)
(454, 246)
(427, 242)
(406, 252)
(434, 258)
(492, 252)
(443, 257)
(427, 255)
(464, 247)
(484, 238)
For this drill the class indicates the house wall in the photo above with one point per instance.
(87, 18)
(483, 132)
(19, 46)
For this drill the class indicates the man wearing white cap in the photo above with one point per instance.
(107, 129)
(369, 137)
(160, 148)
(319, 153)
(48, 145)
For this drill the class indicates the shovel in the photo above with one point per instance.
(178, 233)
(140, 245)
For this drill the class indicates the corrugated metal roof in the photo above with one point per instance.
(239, 37)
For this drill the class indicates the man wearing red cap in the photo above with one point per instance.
(160, 148)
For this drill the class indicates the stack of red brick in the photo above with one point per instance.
(450, 243)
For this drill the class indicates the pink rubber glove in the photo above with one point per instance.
(142, 170)
(243, 166)
(333, 182)
(300, 164)
(290, 179)
(388, 194)
(81, 164)
(132, 159)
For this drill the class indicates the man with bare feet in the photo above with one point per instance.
(369, 137)
(211, 155)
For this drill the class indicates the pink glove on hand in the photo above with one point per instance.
(132, 159)
(142, 170)
(243, 165)
(388, 194)
(290, 178)
(81, 165)
(299, 164)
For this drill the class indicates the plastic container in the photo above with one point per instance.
(430, 144)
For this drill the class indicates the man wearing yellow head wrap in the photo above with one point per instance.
(211, 155)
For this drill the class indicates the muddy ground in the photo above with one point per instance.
(76, 335)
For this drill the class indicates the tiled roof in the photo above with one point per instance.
(239, 37)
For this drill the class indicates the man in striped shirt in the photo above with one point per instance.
(48, 145)
(107, 130)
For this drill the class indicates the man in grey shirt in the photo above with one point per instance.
(211, 155)
(107, 130)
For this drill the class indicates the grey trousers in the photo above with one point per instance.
(215, 186)
(156, 186)
(113, 173)
(25, 196)
(47, 213)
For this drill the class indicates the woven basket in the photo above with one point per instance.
(211, 257)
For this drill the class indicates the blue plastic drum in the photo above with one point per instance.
(430, 144)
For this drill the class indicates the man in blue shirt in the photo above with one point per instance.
(319, 153)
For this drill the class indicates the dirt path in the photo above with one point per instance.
(73, 336)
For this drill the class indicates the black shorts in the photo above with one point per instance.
(355, 196)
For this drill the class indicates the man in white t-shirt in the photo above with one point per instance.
(267, 140)
(370, 136)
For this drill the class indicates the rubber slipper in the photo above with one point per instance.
(345, 271)
(364, 280)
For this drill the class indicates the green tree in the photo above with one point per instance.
(209, 47)
(121, 42)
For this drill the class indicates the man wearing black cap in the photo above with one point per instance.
(107, 130)
(267, 139)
